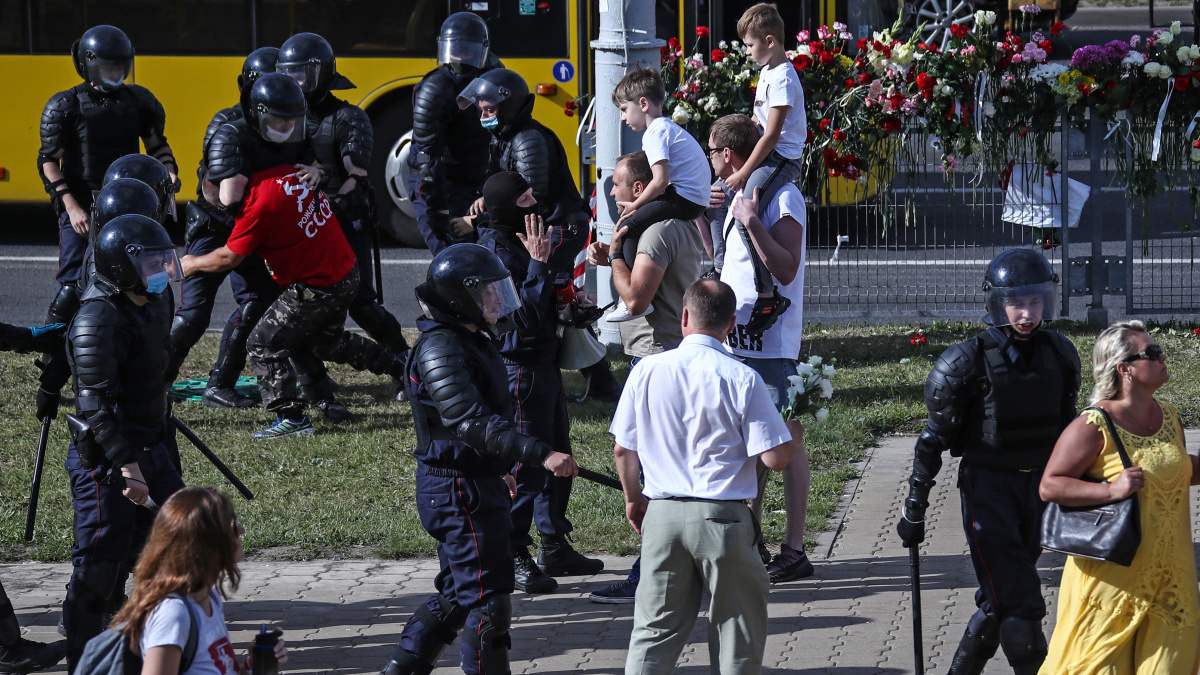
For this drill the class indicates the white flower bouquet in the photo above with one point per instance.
(810, 389)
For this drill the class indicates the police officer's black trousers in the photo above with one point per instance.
(540, 410)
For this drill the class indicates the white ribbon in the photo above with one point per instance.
(1114, 126)
(981, 81)
(1162, 115)
(1192, 126)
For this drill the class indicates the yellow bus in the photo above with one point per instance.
(190, 52)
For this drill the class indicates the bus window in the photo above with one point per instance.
(523, 28)
(13, 27)
(357, 27)
(186, 27)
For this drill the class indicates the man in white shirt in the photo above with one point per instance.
(778, 239)
(696, 422)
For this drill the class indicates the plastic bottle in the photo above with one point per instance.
(264, 662)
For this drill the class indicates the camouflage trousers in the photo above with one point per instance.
(308, 324)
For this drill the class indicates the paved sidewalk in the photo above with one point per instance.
(851, 618)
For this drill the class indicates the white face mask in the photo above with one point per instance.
(278, 136)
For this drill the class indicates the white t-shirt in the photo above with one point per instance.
(780, 86)
(687, 167)
(697, 418)
(781, 341)
(168, 624)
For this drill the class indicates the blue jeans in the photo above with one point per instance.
(775, 373)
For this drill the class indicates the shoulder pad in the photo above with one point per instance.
(947, 381)
(153, 116)
(433, 102)
(90, 342)
(442, 366)
(55, 122)
(354, 133)
(531, 158)
(225, 150)
(1065, 348)
(222, 117)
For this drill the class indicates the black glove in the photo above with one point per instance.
(49, 337)
(47, 404)
(910, 532)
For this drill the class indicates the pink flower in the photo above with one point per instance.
(1134, 40)
(1037, 36)
(824, 33)
(970, 50)
(876, 89)
(803, 36)
(909, 107)
(839, 26)
(695, 64)
(1016, 58)
(1031, 9)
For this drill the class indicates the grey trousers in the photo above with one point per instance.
(689, 547)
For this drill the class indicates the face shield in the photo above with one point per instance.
(482, 93)
(305, 74)
(280, 129)
(105, 75)
(1022, 305)
(156, 267)
(496, 299)
(461, 55)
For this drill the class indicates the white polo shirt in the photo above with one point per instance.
(697, 418)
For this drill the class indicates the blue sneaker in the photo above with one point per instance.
(283, 427)
(618, 593)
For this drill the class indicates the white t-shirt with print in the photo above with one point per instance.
(168, 624)
(687, 166)
(780, 86)
(782, 340)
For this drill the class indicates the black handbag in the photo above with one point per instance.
(1109, 532)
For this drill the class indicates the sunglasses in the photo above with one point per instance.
(712, 151)
(1153, 352)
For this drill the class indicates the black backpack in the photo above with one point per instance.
(109, 654)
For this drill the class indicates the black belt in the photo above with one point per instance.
(446, 472)
(702, 499)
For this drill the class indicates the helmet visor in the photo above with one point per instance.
(482, 93)
(496, 299)
(156, 267)
(108, 75)
(1028, 305)
(306, 74)
(280, 129)
(460, 54)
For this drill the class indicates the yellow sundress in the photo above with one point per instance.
(1141, 619)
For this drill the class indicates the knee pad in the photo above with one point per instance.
(442, 627)
(185, 333)
(88, 596)
(380, 324)
(491, 640)
(64, 305)
(978, 645)
(252, 311)
(1024, 643)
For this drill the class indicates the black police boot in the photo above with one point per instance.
(978, 645)
(380, 325)
(320, 394)
(29, 656)
(527, 576)
(599, 384)
(221, 391)
(334, 412)
(559, 559)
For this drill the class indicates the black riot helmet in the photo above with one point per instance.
(503, 89)
(260, 62)
(151, 172)
(135, 254)
(103, 57)
(122, 197)
(308, 59)
(463, 43)
(1022, 279)
(469, 284)
(274, 107)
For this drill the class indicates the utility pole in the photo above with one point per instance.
(626, 41)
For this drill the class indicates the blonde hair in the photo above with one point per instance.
(760, 21)
(1113, 346)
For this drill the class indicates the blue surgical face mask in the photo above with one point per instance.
(491, 122)
(157, 283)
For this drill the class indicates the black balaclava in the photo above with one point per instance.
(500, 195)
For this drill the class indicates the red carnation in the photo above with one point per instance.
(1057, 27)
(673, 43)
(701, 31)
(849, 83)
(1196, 331)
(568, 112)
(717, 56)
(839, 135)
(808, 137)
(1183, 83)
(890, 124)
(826, 59)
(830, 157)
(1195, 143)
(864, 78)
(959, 30)
(862, 44)
(802, 61)
(918, 340)
(824, 125)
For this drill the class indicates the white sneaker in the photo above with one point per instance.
(621, 313)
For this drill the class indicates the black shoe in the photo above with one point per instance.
(226, 397)
(598, 384)
(527, 577)
(559, 559)
(30, 656)
(766, 312)
(334, 411)
(789, 564)
(764, 553)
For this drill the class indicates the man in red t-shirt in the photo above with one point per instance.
(292, 227)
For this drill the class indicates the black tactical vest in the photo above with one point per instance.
(107, 129)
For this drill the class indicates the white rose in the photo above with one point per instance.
(829, 371)
(821, 414)
(991, 18)
(680, 116)
(980, 18)
(1195, 154)
(1136, 58)
(804, 369)
(1193, 52)
(1166, 38)
(804, 49)
(1176, 28)
(989, 110)
(1182, 53)
(723, 45)
(947, 90)
(1151, 69)
(815, 361)
(826, 389)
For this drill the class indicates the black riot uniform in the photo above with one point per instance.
(117, 346)
(83, 130)
(448, 157)
(340, 131)
(207, 230)
(999, 401)
(466, 441)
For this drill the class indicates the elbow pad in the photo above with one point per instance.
(355, 135)
(97, 410)
(531, 157)
(494, 436)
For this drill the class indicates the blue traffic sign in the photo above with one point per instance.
(563, 71)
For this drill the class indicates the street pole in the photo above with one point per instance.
(626, 41)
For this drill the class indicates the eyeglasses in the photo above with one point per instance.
(1153, 352)
(715, 150)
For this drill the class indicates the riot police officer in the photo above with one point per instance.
(252, 286)
(999, 401)
(466, 442)
(448, 156)
(83, 130)
(120, 453)
(520, 240)
(342, 136)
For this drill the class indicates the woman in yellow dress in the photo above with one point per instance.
(1143, 618)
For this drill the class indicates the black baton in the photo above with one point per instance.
(212, 457)
(378, 263)
(599, 478)
(914, 561)
(36, 487)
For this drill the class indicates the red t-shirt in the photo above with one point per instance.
(293, 228)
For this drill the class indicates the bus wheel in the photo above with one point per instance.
(389, 165)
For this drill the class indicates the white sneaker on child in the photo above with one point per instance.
(621, 313)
